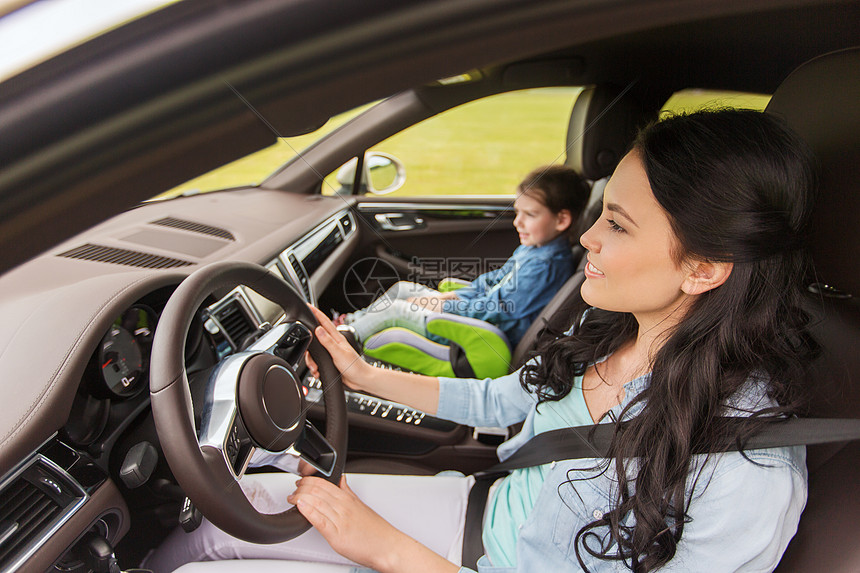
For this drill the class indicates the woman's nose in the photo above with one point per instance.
(589, 239)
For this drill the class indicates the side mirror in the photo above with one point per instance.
(381, 173)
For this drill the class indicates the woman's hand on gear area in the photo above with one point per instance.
(343, 355)
(359, 533)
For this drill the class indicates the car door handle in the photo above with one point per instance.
(399, 222)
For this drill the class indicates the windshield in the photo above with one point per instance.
(254, 168)
(41, 30)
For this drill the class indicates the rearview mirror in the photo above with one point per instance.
(381, 173)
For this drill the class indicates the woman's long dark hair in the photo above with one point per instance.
(736, 186)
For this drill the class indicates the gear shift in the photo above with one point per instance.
(97, 554)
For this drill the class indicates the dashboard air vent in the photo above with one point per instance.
(194, 227)
(34, 503)
(302, 276)
(235, 322)
(117, 256)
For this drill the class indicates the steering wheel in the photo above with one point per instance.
(254, 399)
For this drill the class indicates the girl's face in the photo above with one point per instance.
(631, 267)
(535, 223)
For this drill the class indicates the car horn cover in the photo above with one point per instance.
(271, 402)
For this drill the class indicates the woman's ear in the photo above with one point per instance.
(563, 220)
(705, 276)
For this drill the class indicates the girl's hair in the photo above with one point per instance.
(558, 188)
(736, 186)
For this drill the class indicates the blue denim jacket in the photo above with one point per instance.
(513, 295)
(743, 514)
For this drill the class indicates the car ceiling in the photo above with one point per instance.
(172, 95)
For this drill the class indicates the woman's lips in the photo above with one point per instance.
(592, 272)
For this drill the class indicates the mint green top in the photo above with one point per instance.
(515, 495)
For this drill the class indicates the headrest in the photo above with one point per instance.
(820, 100)
(603, 123)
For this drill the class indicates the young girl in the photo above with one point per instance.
(693, 273)
(549, 200)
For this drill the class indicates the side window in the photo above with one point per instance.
(483, 147)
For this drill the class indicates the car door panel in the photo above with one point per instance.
(425, 241)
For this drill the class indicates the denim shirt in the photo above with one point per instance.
(513, 295)
(743, 514)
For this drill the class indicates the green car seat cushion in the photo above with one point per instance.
(486, 347)
(405, 348)
(450, 284)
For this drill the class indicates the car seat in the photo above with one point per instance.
(603, 122)
(476, 348)
(821, 101)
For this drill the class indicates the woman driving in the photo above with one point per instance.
(693, 284)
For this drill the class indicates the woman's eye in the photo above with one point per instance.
(615, 227)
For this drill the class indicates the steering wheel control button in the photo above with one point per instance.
(271, 402)
(293, 344)
(237, 448)
(232, 445)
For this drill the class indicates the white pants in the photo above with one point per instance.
(430, 509)
(392, 309)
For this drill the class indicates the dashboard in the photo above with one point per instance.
(79, 454)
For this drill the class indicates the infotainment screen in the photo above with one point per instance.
(269, 311)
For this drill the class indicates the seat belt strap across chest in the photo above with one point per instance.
(593, 441)
(582, 442)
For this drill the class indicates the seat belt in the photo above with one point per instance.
(593, 441)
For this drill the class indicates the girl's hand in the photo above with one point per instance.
(359, 533)
(352, 368)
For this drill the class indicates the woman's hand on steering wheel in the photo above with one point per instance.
(353, 369)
